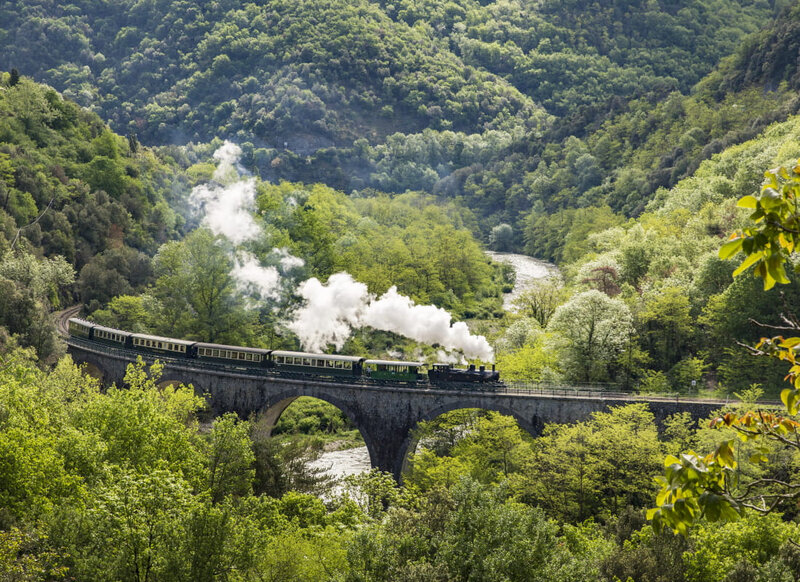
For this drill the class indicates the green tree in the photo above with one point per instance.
(196, 291)
(666, 326)
(134, 528)
(597, 330)
(602, 465)
(541, 298)
(231, 458)
(502, 238)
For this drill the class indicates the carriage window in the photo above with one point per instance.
(339, 365)
(347, 365)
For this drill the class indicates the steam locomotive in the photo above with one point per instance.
(323, 365)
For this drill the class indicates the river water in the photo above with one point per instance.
(528, 270)
(340, 464)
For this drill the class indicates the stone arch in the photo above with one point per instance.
(94, 367)
(275, 406)
(169, 378)
(531, 426)
(93, 371)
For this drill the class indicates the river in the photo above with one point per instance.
(528, 270)
(340, 464)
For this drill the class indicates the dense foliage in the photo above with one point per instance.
(514, 107)
(125, 484)
(661, 273)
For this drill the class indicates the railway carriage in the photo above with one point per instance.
(392, 371)
(109, 335)
(80, 328)
(164, 345)
(236, 355)
(318, 364)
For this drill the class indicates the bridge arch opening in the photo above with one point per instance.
(321, 431)
(486, 443)
(171, 383)
(93, 371)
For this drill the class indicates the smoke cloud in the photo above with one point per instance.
(229, 201)
(424, 323)
(227, 205)
(331, 311)
(253, 279)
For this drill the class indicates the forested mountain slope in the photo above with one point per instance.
(77, 203)
(467, 99)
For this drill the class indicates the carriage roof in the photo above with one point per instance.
(158, 338)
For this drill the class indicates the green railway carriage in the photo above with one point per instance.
(111, 336)
(80, 327)
(231, 354)
(388, 370)
(317, 364)
(164, 345)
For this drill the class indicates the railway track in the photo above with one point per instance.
(62, 318)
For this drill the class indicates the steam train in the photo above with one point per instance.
(279, 361)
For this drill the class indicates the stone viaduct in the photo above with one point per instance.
(385, 415)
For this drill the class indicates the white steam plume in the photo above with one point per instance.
(229, 169)
(228, 204)
(424, 323)
(331, 311)
(254, 279)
